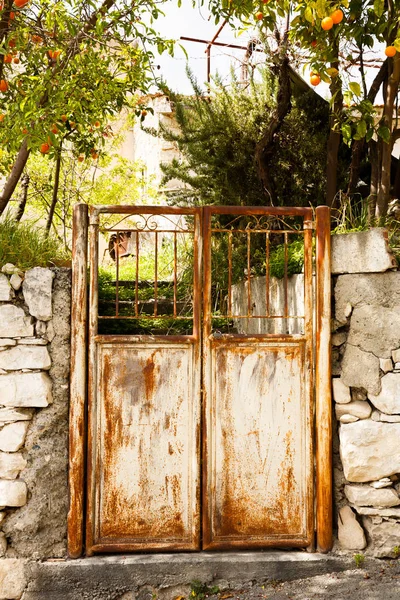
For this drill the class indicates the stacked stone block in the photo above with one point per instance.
(366, 392)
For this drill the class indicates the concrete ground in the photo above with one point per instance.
(271, 575)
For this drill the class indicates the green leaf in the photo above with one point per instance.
(346, 133)
(384, 133)
(361, 129)
(308, 15)
(369, 134)
(379, 7)
(355, 88)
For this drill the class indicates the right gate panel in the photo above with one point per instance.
(257, 379)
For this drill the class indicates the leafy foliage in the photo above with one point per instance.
(218, 137)
(26, 246)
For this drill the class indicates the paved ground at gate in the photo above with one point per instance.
(380, 580)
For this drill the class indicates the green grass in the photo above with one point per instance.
(26, 245)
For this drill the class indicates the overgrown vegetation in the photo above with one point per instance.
(218, 137)
(25, 245)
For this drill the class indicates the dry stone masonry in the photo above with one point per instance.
(366, 392)
(34, 376)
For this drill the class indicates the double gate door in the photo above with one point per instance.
(199, 382)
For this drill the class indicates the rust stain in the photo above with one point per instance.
(149, 377)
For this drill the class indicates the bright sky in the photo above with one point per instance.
(195, 23)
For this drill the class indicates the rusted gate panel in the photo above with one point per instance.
(144, 416)
(258, 410)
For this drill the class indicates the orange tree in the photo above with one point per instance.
(65, 68)
(335, 40)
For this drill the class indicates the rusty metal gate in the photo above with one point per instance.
(204, 408)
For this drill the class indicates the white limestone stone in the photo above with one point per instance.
(341, 392)
(369, 450)
(5, 342)
(11, 465)
(385, 537)
(25, 390)
(376, 415)
(13, 493)
(361, 252)
(360, 369)
(386, 364)
(397, 366)
(389, 418)
(3, 543)
(8, 268)
(381, 483)
(348, 418)
(12, 578)
(37, 290)
(5, 289)
(388, 399)
(388, 513)
(9, 415)
(16, 281)
(25, 357)
(348, 309)
(14, 322)
(32, 341)
(350, 533)
(337, 339)
(396, 355)
(365, 495)
(12, 436)
(2, 516)
(40, 328)
(375, 329)
(359, 408)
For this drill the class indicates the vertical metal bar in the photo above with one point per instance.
(285, 284)
(267, 274)
(197, 259)
(117, 277)
(137, 276)
(175, 272)
(77, 424)
(206, 379)
(229, 274)
(92, 377)
(155, 272)
(248, 275)
(309, 374)
(323, 405)
(208, 52)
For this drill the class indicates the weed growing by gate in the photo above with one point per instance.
(25, 245)
(199, 590)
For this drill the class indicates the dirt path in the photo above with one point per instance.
(373, 582)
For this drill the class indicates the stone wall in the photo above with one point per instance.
(34, 383)
(366, 391)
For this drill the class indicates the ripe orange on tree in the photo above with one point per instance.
(16, 60)
(390, 51)
(2, 117)
(24, 131)
(63, 118)
(12, 43)
(3, 85)
(315, 79)
(20, 3)
(259, 16)
(327, 23)
(44, 148)
(81, 158)
(337, 16)
(12, 15)
(54, 129)
(7, 59)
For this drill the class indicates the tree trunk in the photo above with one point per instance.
(55, 191)
(14, 176)
(334, 132)
(387, 119)
(265, 146)
(374, 157)
(24, 197)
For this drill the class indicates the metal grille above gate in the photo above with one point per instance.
(200, 397)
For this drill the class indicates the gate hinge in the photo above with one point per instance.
(309, 225)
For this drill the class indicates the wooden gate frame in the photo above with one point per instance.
(78, 381)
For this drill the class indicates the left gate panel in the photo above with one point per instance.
(145, 447)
